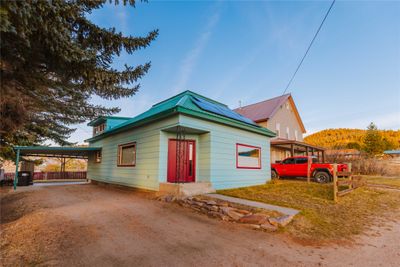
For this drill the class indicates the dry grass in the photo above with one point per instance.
(320, 217)
(392, 181)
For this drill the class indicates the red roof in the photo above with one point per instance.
(264, 110)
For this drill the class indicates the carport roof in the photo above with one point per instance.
(51, 151)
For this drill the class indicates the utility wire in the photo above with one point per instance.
(308, 49)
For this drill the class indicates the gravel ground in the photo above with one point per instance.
(88, 225)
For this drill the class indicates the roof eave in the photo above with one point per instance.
(142, 122)
(227, 121)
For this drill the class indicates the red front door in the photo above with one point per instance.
(181, 161)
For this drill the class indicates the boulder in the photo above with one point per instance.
(231, 212)
(281, 221)
(254, 218)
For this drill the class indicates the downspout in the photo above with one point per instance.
(16, 170)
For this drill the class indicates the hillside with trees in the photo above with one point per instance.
(355, 138)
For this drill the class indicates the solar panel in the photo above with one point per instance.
(221, 110)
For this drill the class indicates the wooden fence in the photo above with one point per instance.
(348, 180)
(42, 176)
(59, 176)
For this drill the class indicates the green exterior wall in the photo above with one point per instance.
(218, 163)
(215, 155)
(146, 173)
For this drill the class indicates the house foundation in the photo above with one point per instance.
(185, 189)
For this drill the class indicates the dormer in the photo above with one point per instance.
(104, 123)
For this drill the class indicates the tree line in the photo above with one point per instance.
(372, 140)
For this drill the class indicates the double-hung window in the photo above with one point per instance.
(127, 155)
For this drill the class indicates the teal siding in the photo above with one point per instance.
(146, 173)
(215, 155)
(221, 158)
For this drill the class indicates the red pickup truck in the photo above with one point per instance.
(297, 167)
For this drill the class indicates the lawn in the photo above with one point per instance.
(390, 181)
(320, 217)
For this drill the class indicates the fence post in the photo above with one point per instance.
(351, 176)
(308, 169)
(335, 185)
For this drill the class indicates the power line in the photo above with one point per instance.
(308, 49)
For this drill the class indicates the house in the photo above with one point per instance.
(280, 115)
(187, 142)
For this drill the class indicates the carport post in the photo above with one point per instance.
(16, 170)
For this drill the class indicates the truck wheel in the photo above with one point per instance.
(322, 177)
(274, 174)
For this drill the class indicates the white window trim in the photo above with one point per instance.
(97, 157)
(119, 160)
(278, 129)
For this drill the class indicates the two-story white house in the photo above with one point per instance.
(281, 115)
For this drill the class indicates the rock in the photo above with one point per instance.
(199, 204)
(231, 212)
(245, 212)
(169, 198)
(254, 218)
(253, 226)
(211, 202)
(281, 221)
(213, 208)
(223, 204)
(269, 227)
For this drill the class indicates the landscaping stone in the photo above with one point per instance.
(214, 208)
(281, 221)
(231, 212)
(254, 218)
(245, 212)
(253, 226)
(269, 227)
(211, 202)
(224, 211)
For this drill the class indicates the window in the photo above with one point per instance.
(248, 157)
(301, 161)
(287, 106)
(295, 135)
(278, 129)
(97, 157)
(99, 129)
(289, 161)
(287, 133)
(127, 154)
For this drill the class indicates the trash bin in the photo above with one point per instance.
(24, 178)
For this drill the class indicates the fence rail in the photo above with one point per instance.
(351, 181)
(41, 176)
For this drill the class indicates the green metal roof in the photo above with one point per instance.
(183, 104)
(102, 119)
(51, 151)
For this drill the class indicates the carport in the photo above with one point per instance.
(51, 152)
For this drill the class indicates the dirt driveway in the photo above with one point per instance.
(88, 225)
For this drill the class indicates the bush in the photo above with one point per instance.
(370, 166)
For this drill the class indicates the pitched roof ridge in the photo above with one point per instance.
(188, 92)
(285, 95)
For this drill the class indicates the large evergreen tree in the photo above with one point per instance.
(53, 60)
(373, 143)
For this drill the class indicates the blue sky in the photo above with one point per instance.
(247, 51)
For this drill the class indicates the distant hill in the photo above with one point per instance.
(350, 138)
